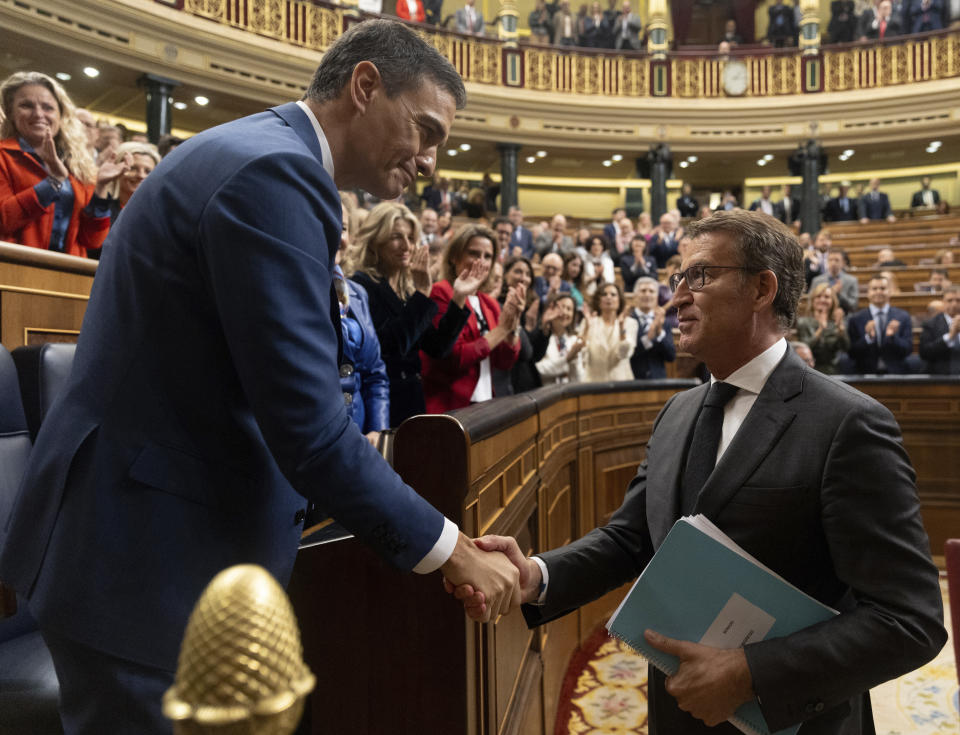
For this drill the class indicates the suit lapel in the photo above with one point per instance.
(665, 466)
(761, 430)
(297, 119)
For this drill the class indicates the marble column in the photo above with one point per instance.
(659, 161)
(159, 105)
(810, 153)
(508, 175)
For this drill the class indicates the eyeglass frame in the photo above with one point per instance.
(674, 280)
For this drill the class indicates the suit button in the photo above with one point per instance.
(819, 707)
(346, 370)
(298, 517)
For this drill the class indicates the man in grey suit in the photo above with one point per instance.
(843, 284)
(626, 29)
(805, 473)
(469, 19)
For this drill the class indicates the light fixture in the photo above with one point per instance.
(63, 76)
(531, 159)
(684, 164)
(180, 105)
(692, 159)
(616, 157)
(201, 100)
(452, 152)
(849, 152)
(541, 154)
(936, 143)
(768, 157)
(608, 163)
(762, 162)
(91, 71)
(464, 146)
(932, 149)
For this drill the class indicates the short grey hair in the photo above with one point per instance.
(402, 57)
(762, 243)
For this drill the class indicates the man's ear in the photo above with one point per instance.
(766, 286)
(365, 83)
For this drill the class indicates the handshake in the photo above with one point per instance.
(490, 576)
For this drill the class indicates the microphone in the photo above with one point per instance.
(241, 666)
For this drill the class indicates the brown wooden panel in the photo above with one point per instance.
(32, 318)
(559, 639)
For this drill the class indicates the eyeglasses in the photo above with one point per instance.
(696, 275)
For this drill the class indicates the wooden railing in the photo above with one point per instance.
(545, 467)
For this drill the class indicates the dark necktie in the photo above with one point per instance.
(702, 454)
(881, 323)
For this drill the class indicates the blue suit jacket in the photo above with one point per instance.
(650, 364)
(874, 205)
(524, 238)
(204, 406)
(893, 350)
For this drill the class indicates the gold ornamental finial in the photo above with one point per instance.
(241, 669)
(657, 9)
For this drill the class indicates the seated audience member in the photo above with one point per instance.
(654, 339)
(411, 10)
(564, 25)
(934, 307)
(555, 239)
(469, 19)
(475, 205)
(815, 256)
(644, 226)
(550, 279)
(575, 273)
(612, 228)
(637, 263)
(923, 15)
(843, 21)
(841, 208)
(704, 212)
(523, 376)
(52, 194)
(939, 342)
(891, 281)
(944, 256)
(803, 352)
(563, 360)
(540, 23)
(939, 281)
(387, 261)
(887, 259)
(788, 208)
(764, 204)
(428, 227)
(363, 375)
(730, 34)
(727, 202)
(598, 265)
(168, 143)
(881, 336)
(686, 202)
(926, 198)
(664, 239)
(109, 137)
(843, 284)
(781, 24)
(878, 24)
(621, 244)
(139, 159)
(875, 204)
(522, 236)
(823, 328)
(581, 241)
(504, 231)
(489, 340)
(609, 335)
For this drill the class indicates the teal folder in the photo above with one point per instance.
(701, 586)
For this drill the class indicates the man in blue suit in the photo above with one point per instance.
(522, 237)
(654, 340)
(875, 204)
(204, 408)
(881, 336)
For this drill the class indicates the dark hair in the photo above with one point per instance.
(598, 294)
(507, 267)
(602, 238)
(764, 243)
(501, 221)
(556, 298)
(167, 143)
(567, 259)
(402, 57)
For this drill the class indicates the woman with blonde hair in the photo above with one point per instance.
(823, 328)
(52, 195)
(388, 261)
(140, 159)
(609, 336)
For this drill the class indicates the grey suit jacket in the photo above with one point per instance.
(816, 485)
(463, 24)
(849, 292)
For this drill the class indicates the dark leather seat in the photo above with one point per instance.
(28, 683)
(43, 370)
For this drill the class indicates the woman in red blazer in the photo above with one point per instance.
(52, 195)
(489, 339)
(411, 10)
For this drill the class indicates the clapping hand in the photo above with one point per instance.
(870, 329)
(837, 317)
(420, 269)
(469, 281)
(892, 328)
(659, 315)
(48, 154)
(531, 314)
(110, 170)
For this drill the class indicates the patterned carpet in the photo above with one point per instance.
(605, 693)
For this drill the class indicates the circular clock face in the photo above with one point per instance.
(735, 78)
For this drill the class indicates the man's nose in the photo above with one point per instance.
(427, 161)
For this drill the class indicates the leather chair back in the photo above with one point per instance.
(43, 371)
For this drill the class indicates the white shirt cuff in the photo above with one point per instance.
(441, 551)
(544, 581)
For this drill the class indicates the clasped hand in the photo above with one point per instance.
(477, 603)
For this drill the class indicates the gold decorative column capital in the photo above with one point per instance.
(507, 23)
(657, 29)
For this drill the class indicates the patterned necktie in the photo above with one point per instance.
(702, 453)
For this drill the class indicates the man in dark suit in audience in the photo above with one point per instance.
(788, 208)
(654, 338)
(841, 208)
(664, 239)
(204, 408)
(881, 336)
(878, 24)
(926, 198)
(781, 26)
(612, 228)
(686, 202)
(875, 204)
(522, 237)
(636, 264)
(940, 340)
(805, 473)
